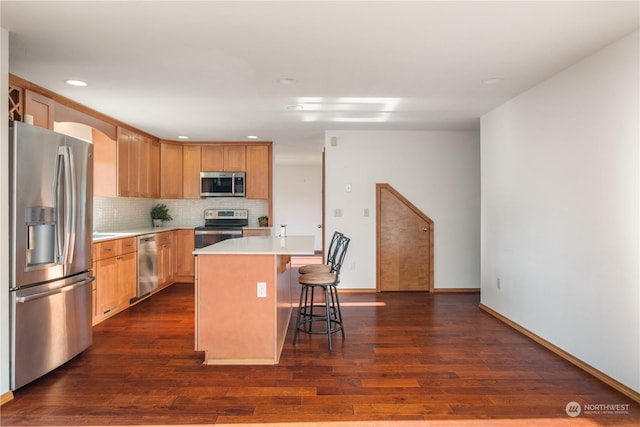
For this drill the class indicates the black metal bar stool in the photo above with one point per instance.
(323, 268)
(328, 313)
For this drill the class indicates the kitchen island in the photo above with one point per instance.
(243, 298)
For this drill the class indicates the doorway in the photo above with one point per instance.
(404, 243)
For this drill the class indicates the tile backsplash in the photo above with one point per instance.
(124, 213)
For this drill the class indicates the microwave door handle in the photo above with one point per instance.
(233, 184)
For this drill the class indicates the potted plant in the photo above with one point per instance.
(159, 214)
(263, 221)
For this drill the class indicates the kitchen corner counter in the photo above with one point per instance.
(261, 245)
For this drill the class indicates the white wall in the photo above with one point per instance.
(560, 210)
(439, 172)
(297, 199)
(4, 213)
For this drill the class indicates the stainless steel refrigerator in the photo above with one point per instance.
(50, 288)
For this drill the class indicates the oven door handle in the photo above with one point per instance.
(218, 232)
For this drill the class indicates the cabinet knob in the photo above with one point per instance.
(425, 228)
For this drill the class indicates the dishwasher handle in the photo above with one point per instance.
(146, 239)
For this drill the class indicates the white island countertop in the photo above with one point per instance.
(261, 245)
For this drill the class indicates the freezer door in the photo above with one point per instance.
(50, 325)
(51, 183)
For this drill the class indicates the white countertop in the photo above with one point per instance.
(261, 245)
(100, 236)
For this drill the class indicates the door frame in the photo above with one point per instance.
(406, 202)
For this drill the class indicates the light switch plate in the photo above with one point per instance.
(262, 289)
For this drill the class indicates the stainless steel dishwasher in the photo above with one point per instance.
(147, 265)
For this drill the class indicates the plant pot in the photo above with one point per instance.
(157, 223)
(263, 223)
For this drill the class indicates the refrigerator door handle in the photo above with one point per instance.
(71, 201)
(57, 194)
(65, 206)
(45, 294)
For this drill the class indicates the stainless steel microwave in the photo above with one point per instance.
(222, 184)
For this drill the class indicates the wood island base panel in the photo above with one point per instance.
(243, 306)
(243, 298)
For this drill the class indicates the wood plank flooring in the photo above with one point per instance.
(409, 359)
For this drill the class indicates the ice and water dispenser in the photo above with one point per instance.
(41, 237)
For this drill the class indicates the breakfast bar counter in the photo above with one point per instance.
(243, 298)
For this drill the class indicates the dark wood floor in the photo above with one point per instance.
(409, 359)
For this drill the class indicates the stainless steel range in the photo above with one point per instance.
(219, 225)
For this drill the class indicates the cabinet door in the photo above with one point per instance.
(135, 156)
(212, 158)
(165, 265)
(107, 285)
(258, 172)
(40, 107)
(191, 172)
(170, 171)
(186, 260)
(141, 168)
(154, 169)
(235, 158)
(105, 165)
(124, 143)
(127, 278)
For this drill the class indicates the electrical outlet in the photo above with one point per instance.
(366, 211)
(337, 212)
(262, 289)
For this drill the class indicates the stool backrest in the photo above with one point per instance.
(332, 247)
(340, 251)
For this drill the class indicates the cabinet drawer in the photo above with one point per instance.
(127, 245)
(163, 239)
(106, 249)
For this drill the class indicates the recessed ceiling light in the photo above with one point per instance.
(492, 81)
(183, 137)
(252, 137)
(73, 82)
(287, 81)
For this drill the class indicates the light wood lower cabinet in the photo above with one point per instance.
(185, 246)
(166, 258)
(116, 276)
(115, 266)
(248, 232)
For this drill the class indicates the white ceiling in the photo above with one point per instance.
(210, 69)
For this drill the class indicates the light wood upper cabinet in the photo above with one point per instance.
(154, 169)
(170, 170)
(40, 107)
(138, 165)
(124, 137)
(212, 158)
(235, 158)
(225, 158)
(258, 182)
(105, 161)
(191, 171)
